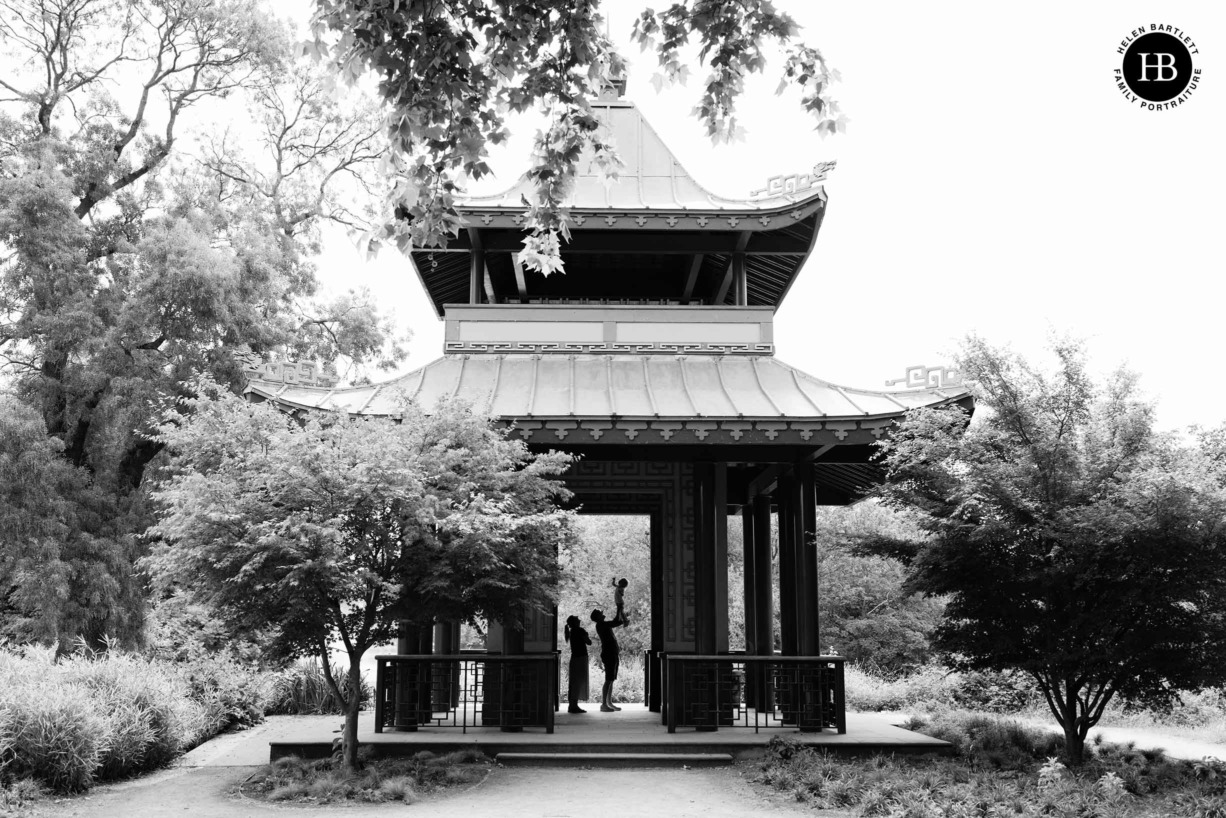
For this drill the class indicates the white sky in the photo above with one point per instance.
(993, 179)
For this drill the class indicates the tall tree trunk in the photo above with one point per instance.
(1074, 743)
(349, 737)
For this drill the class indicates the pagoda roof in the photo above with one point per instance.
(633, 398)
(653, 235)
(651, 179)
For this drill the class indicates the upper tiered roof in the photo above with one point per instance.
(655, 235)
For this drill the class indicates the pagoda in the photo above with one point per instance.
(653, 358)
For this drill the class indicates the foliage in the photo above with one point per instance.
(18, 797)
(387, 779)
(179, 629)
(868, 616)
(604, 548)
(235, 694)
(59, 558)
(1075, 544)
(83, 718)
(451, 72)
(302, 689)
(998, 769)
(335, 529)
(127, 265)
(924, 688)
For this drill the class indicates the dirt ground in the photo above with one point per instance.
(209, 792)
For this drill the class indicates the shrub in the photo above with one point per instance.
(70, 721)
(59, 735)
(302, 689)
(234, 694)
(994, 741)
(930, 687)
(995, 692)
(153, 718)
(382, 780)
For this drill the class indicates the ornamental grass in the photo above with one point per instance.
(67, 722)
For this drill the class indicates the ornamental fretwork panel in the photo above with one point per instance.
(662, 488)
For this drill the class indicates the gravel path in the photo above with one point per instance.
(204, 784)
(208, 792)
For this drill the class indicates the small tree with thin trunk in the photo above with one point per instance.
(331, 529)
(1076, 544)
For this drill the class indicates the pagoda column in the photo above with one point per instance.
(808, 633)
(654, 688)
(413, 681)
(785, 500)
(711, 558)
(759, 597)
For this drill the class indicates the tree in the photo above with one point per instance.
(335, 528)
(451, 71)
(1076, 544)
(126, 266)
(865, 610)
(55, 563)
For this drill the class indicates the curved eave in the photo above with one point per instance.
(635, 399)
(775, 246)
(753, 215)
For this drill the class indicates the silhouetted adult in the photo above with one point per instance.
(610, 655)
(577, 686)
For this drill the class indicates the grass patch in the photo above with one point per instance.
(1000, 767)
(384, 780)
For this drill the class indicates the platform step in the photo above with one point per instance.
(614, 759)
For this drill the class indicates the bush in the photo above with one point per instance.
(629, 687)
(302, 690)
(930, 687)
(382, 780)
(60, 735)
(70, 721)
(993, 741)
(235, 694)
(995, 692)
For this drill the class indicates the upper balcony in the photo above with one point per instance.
(609, 329)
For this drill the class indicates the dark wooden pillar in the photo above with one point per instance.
(654, 667)
(785, 501)
(412, 693)
(749, 539)
(710, 556)
(806, 597)
(511, 675)
(764, 598)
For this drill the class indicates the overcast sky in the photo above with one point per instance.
(993, 179)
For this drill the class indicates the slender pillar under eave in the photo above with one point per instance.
(446, 690)
(711, 558)
(749, 540)
(764, 598)
(653, 666)
(808, 642)
(785, 502)
(412, 690)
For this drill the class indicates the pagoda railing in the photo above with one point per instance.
(465, 690)
(711, 692)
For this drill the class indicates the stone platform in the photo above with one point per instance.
(633, 730)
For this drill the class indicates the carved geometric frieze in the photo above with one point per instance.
(709, 431)
(593, 347)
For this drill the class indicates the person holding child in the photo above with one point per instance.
(609, 656)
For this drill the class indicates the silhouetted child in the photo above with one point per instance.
(619, 597)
